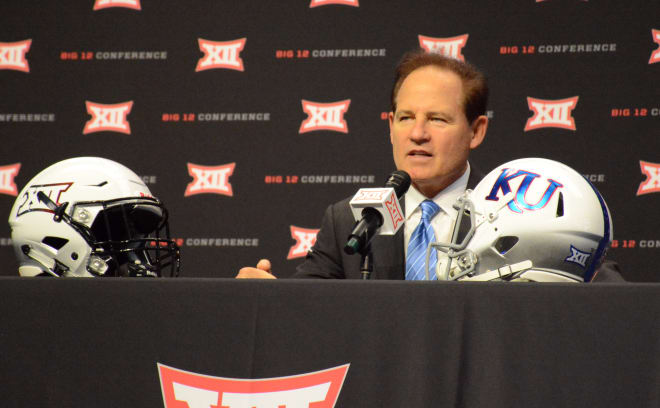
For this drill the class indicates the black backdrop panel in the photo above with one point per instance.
(57, 57)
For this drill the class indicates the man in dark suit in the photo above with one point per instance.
(437, 118)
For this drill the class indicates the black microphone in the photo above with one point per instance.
(377, 211)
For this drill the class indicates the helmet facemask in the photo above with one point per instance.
(130, 237)
(461, 261)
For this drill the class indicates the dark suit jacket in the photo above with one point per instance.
(327, 259)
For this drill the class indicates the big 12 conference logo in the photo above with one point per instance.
(396, 215)
(324, 116)
(655, 55)
(451, 46)
(12, 55)
(652, 182)
(210, 179)
(7, 174)
(110, 118)
(578, 257)
(551, 113)
(317, 3)
(221, 54)
(305, 239)
(184, 389)
(519, 201)
(130, 4)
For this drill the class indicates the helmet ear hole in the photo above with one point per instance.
(55, 242)
(560, 205)
(504, 244)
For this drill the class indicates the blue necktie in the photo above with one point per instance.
(419, 241)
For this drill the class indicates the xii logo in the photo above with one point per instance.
(7, 174)
(655, 56)
(451, 47)
(394, 211)
(652, 182)
(12, 55)
(184, 389)
(551, 113)
(318, 3)
(324, 116)
(130, 4)
(111, 118)
(305, 239)
(212, 180)
(578, 257)
(221, 54)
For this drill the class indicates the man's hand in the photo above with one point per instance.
(262, 271)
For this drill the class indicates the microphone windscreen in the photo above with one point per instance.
(399, 180)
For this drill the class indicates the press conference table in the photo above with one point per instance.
(98, 342)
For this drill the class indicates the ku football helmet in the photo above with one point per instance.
(89, 216)
(529, 219)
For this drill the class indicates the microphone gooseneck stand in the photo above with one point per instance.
(366, 263)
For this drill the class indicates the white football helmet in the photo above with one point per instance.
(528, 220)
(90, 216)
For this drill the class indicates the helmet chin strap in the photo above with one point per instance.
(524, 271)
(536, 275)
(500, 273)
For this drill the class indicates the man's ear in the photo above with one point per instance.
(479, 127)
(390, 120)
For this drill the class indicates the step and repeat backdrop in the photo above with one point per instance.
(247, 118)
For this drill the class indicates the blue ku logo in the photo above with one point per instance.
(519, 202)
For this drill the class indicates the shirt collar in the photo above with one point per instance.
(444, 199)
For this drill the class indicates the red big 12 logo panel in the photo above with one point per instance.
(184, 389)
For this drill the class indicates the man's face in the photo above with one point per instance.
(431, 137)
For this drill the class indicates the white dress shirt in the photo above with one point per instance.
(443, 221)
